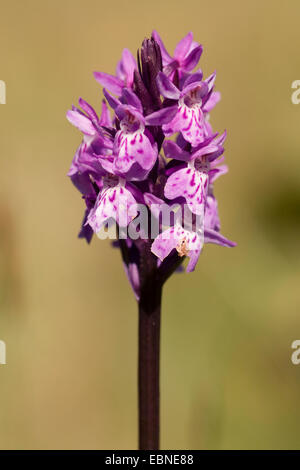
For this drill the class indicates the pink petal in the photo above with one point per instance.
(113, 203)
(212, 101)
(105, 119)
(193, 58)
(183, 47)
(211, 236)
(190, 122)
(190, 184)
(82, 122)
(113, 84)
(130, 148)
(164, 243)
(177, 237)
(126, 68)
(172, 150)
(88, 109)
(162, 116)
(166, 87)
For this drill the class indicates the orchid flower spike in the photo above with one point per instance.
(153, 149)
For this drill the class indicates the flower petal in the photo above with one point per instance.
(215, 173)
(112, 101)
(211, 216)
(105, 119)
(210, 81)
(212, 101)
(164, 243)
(86, 231)
(113, 203)
(82, 122)
(113, 84)
(190, 184)
(126, 68)
(193, 77)
(172, 150)
(183, 47)
(166, 87)
(190, 122)
(187, 243)
(162, 116)
(192, 59)
(130, 148)
(132, 99)
(88, 109)
(211, 236)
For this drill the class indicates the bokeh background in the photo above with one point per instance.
(67, 314)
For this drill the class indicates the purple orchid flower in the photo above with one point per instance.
(186, 55)
(132, 144)
(115, 202)
(186, 242)
(191, 181)
(124, 74)
(125, 179)
(189, 118)
(86, 166)
(94, 140)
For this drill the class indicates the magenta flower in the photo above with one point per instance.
(157, 193)
(186, 242)
(190, 116)
(124, 74)
(132, 144)
(186, 55)
(114, 201)
(191, 182)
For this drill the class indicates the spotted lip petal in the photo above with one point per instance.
(186, 242)
(191, 184)
(131, 148)
(188, 121)
(113, 203)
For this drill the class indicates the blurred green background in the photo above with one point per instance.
(68, 316)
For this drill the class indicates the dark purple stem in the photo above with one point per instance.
(148, 366)
(152, 279)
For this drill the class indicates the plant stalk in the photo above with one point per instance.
(148, 365)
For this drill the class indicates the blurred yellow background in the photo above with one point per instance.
(67, 313)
